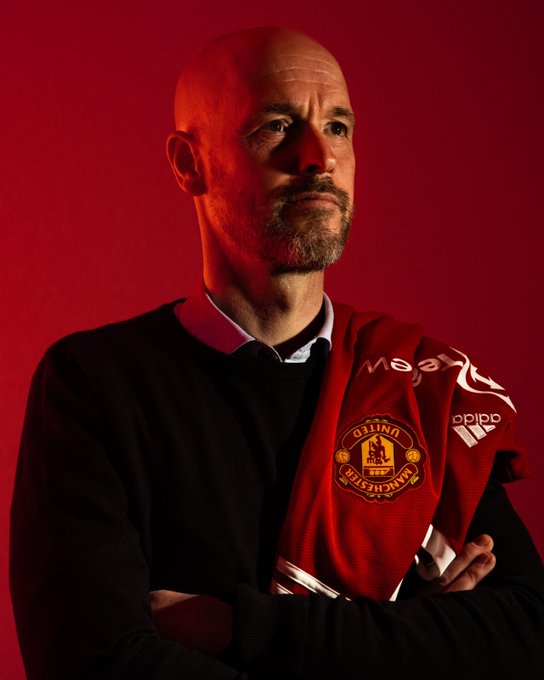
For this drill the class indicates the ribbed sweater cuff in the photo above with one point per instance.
(270, 631)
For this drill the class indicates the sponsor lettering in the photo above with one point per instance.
(468, 377)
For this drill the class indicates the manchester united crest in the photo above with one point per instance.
(379, 459)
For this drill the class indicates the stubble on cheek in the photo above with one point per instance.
(277, 228)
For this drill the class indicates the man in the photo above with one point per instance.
(254, 482)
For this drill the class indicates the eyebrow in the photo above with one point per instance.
(288, 110)
(343, 112)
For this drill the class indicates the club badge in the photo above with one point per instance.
(379, 459)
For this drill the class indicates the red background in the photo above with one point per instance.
(449, 199)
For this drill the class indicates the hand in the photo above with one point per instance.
(196, 621)
(472, 565)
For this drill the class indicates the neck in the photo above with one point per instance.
(282, 310)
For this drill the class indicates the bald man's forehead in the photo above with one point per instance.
(295, 67)
(256, 62)
(292, 84)
(242, 68)
(277, 75)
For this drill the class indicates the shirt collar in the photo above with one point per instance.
(206, 322)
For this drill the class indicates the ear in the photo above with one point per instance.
(180, 149)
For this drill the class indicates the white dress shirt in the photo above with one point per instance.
(206, 322)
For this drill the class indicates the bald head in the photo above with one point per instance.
(241, 62)
(264, 146)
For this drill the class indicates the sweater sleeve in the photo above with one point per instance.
(495, 631)
(79, 578)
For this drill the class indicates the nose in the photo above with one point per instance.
(315, 155)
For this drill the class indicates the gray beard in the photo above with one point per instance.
(310, 246)
(291, 249)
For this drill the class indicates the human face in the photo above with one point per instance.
(281, 165)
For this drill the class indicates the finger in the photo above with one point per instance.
(160, 599)
(471, 551)
(473, 574)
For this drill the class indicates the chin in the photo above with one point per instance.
(306, 245)
(305, 254)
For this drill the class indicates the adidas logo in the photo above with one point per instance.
(472, 427)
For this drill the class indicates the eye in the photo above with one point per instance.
(278, 125)
(338, 129)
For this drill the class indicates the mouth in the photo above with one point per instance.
(315, 199)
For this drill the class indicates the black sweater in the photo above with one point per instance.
(150, 461)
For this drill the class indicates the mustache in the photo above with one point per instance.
(291, 192)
